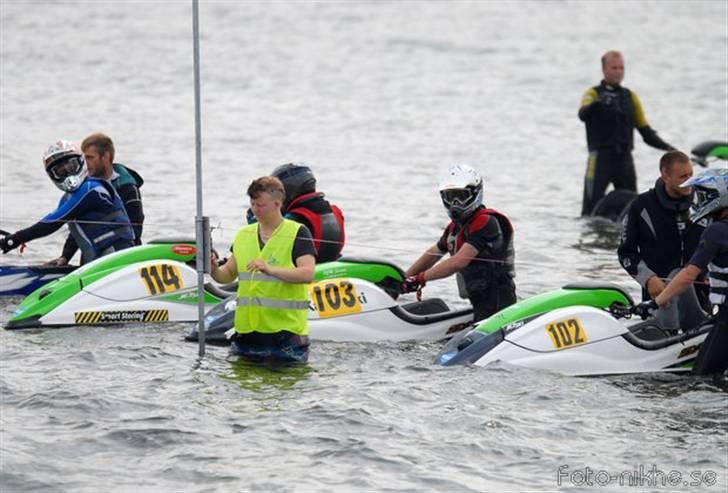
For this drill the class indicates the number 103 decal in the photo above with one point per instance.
(566, 333)
(160, 279)
(331, 298)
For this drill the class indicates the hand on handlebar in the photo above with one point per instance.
(645, 309)
(412, 284)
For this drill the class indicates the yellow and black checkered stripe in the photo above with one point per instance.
(115, 317)
(156, 316)
(84, 318)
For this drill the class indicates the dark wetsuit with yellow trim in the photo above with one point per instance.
(611, 113)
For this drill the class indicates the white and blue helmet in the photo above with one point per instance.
(461, 191)
(65, 165)
(711, 192)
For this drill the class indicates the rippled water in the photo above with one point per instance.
(377, 97)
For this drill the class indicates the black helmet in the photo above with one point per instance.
(297, 179)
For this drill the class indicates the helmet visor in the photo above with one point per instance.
(60, 170)
(456, 196)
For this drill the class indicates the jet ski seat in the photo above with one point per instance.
(599, 285)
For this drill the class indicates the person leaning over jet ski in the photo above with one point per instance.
(272, 260)
(305, 205)
(98, 152)
(480, 242)
(658, 236)
(90, 206)
(711, 188)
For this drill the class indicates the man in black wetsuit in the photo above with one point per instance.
(611, 112)
(306, 206)
(711, 188)
(658, 236)
(480, 242)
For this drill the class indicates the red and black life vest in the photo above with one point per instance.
(493, 264)
(324, 220)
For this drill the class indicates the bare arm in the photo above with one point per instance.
(228, 272)
(454, 264)
(426, 260)
(678, 284)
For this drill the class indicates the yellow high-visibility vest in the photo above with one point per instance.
(265, 303)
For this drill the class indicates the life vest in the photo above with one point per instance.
(126, 176)
(326, 222)
(494, 264)
(103, 226)
(265, 303)
(612, 128)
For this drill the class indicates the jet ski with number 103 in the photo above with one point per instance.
(354, 300)
(578, 330)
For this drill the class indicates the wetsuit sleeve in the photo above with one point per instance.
(713, 240)
(442, 242)
(589, 102)
(132, 200)
(69, 248)
(66, 211)
(628, 250)
(303, 244)
(649, 135)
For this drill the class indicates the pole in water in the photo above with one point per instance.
(202, 224)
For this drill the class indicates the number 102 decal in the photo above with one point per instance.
(566, 333)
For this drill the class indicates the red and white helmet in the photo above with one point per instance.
(65, 165)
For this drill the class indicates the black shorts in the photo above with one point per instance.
(280, 346)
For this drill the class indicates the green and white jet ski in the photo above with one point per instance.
(156, 282)
(581, 329)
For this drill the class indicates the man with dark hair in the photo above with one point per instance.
(611, 112)
(98, 152)
(658, 236)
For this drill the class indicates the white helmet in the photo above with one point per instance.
(65, 165)
(461, 190)
(711, 192)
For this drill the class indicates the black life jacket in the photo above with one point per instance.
(324, 220)
(495, 263)
(612, 128)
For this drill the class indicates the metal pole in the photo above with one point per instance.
(201, 231)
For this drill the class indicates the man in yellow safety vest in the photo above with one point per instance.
(272, 260)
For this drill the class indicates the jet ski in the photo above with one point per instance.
(615, 204)
(156, 282)
(355, 300)
(581, 329)
(18, 280)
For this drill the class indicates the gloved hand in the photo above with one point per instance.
(9, 242)
(644, 310)
(413, 283)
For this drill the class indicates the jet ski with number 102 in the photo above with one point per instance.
(578, 330)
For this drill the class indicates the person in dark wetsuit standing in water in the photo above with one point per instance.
(611, 112)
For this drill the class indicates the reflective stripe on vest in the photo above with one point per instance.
(718, 278)
(265, 303)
